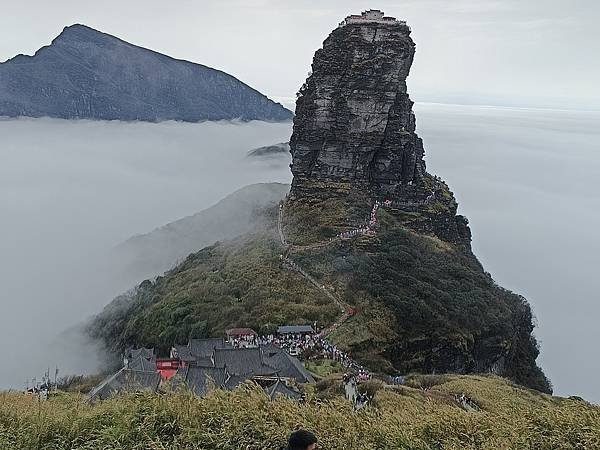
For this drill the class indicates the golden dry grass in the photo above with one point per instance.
(403, 418)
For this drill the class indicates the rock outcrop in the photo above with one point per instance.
(354, 129)
(354, 119)
(86, 74)
(281, 149)
(354, 143)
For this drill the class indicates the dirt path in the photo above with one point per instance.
(288, 262)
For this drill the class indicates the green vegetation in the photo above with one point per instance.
(308, 220)
(511, 418)
(324, 367)
(426, 305)
(423, 304)
(239, 283)
(81, 384)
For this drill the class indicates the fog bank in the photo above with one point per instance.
(526, 179)
(71, 191)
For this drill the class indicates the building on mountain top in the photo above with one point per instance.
(198, 351)
(167, 367)
(142, 359)
(279, 388)
(210, 363)
(371, 15)
(200, 379)
(133, 353)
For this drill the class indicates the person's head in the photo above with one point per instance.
(302, 440)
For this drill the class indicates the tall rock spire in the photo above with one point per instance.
(354, 121)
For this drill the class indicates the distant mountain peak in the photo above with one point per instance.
(89, 74)
(79, 31)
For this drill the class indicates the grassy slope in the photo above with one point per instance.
(401, 418)
(423, 304)
(237, 283)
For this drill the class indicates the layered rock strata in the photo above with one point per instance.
(87, 74)
(354, 120)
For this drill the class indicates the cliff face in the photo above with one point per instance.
(354, 131)
(86, 74)
(354, 142)
(354, 119)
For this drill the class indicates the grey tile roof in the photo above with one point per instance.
(126, 380)
(183, 353)
(287, 366)
(203, 348)
(235, 380)
(241, 332)
(201, 379)
(142, 364)
(295, 329)
(269, 350)
(147, 353)
(204, 362)
(280, 388)
(178, 380)
(243, 361)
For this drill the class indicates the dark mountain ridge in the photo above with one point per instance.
(87, 74)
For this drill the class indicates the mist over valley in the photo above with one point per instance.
(73, 193)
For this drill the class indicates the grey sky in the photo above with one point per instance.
(527, 53)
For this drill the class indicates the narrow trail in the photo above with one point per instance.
(292, 265)
(345, 309)
(369, 229)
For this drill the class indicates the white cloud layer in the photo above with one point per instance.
(70, 191)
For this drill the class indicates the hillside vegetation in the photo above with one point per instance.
(422, 304)
(401, 418)
(229, 284)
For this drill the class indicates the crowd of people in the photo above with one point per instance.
(369, 228)
(330, 351)
(314, 346)
(294, 344)
(353, 395)
(352, 233)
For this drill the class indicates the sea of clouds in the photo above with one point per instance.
(71, 191)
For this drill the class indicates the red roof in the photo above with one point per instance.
(167, 364)
(241, 332)
(167, 374)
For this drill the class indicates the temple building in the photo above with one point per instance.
(372, 15)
